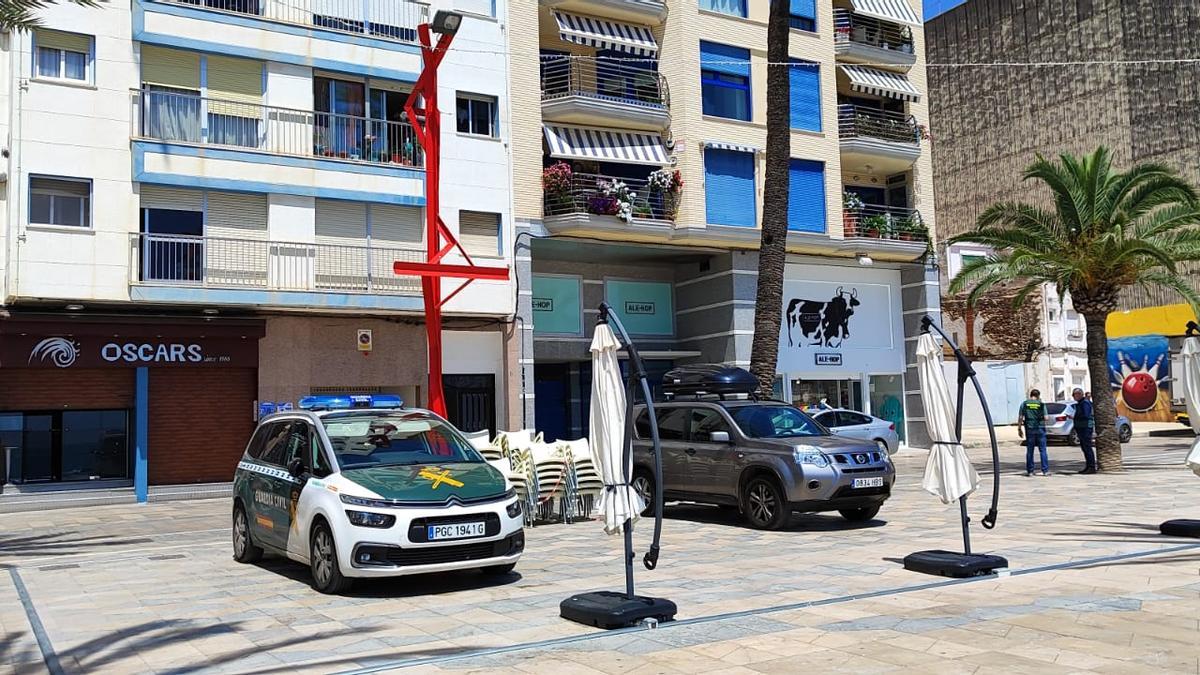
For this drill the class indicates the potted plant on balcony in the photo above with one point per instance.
(556, 186)
(877, 226)
(621, 196)
(665, 187)
(906, 44)
(851, 207)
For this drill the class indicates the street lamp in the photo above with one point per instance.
(446, 23)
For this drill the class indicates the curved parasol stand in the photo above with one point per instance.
(1190, 355)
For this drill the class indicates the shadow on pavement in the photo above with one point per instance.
(1184, 557)
(60, 543)
(367, 661)
(806, 522)
(435, 583)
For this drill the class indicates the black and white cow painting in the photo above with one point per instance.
(825, 323)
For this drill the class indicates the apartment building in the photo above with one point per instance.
(638, 182)
(203, 203)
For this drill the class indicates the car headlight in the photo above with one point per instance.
(368, 519)
(809, 454)
(514, 509)
(362, 501)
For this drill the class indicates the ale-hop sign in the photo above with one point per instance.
(644, 307)
(543, 304)
(639, 307)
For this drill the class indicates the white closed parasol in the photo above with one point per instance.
(949, 474)
(619, 501)
(1191, 392)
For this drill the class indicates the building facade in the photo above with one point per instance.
(1125, 78)
(638, 182)
(203, 203)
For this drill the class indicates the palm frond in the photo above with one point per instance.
(1154, 191)
(1172, 282)
(1166, 219)
(1064, 188)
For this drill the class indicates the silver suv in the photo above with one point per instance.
(767, 458)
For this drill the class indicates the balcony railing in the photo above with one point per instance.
(604, 80)
(865, 30)
(170, 115)
(385, 19)
(876, 221)
(857, 121)
(216, 262)
(607, 196)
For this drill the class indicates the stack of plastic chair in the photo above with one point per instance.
(586, 482)
(552, 469)
(520, 464)
(519, 479)
(480, 441)
(510, 441)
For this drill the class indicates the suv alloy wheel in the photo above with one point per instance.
(763, 504)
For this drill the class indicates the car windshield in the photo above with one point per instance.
(774, 421)
(395, 439)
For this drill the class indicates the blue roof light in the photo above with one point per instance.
(343, 402)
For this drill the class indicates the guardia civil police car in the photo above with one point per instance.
(360, 486)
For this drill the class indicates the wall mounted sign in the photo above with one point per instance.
(90, 351)
(366, 340)
(828, 359)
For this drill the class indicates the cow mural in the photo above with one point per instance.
(825, 323)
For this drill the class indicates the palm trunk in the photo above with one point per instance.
(772, 254)
(1108, 444)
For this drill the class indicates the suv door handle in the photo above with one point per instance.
(690, 451)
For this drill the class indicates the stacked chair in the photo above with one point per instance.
(585, 484)
(552, 469)
(514, 470)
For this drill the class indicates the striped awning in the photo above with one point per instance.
(898, 11)
(605, 34)
(736, 147)
(605, 145)
(881, 83)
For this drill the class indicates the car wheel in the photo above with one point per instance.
(643, 484)
(498, 570)
(1073, 438)
(244, 550)
(764, 505)
(322, 557)
(860, 515)
(1126, 433)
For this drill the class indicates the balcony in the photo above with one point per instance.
(393, 20)
(595, 92)
(886, 229)
(888, 141)
(593, 201)
(240, 125)
(864, 39)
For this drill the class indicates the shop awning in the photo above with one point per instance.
(605, 34)
(736, 147)
(605, 145)
(881, 83)
(898, 11)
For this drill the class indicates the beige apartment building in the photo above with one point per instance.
(638, 182)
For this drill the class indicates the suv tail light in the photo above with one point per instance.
(892, 426)
(1060, 418)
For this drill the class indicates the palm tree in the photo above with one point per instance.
(772, 252)
(1107, 231)
(19, 14)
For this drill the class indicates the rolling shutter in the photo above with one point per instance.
(804, 8)
(729, 187)
(236, 216)
(342, 223)
(806, 196)
(341, 251)
(479, 232)
(170, 68)
(235, 248)
(172, 198)
(56, 39)
(395, 235)
(231, 81)
(804, 87)
(724, 59)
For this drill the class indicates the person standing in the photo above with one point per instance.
(1031, 424)
(1085, 429)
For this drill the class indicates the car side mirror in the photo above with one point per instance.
(296, 468)
(719, 437)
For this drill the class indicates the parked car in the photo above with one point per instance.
(853, 424)
(360, 487)
(1060, 424)
(766, 458)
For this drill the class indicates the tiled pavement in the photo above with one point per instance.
(152, 588)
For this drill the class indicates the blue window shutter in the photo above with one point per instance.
(805, 90)
(806, 196)
(724, 59)
(804, 8)
(729, 187)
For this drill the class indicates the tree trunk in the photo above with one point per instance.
(772, 254)
(1108, 444)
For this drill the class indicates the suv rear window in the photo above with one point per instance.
(774, 421)
(1055, 408)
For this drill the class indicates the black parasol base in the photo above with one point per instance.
(609, 609)
(1180, 528)
(956, 565)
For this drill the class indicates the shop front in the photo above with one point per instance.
(841, 340)
(143, 400)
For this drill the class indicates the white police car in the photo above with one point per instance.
(359, 486)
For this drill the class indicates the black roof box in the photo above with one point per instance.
(708, 379)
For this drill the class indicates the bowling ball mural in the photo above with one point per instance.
(1139, 371)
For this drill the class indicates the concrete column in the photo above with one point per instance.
(920, 293)
(141, 435)
(522, 411)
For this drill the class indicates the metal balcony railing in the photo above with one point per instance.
(385, 19)
(601, 79)
(856, 121)
(217, 262)
(171, 115)
(605, 196)
(876, 221)
(869, 31)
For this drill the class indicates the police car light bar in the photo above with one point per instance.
(333, 402)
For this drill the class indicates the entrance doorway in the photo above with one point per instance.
(551, 402)
(471, 402)
(835, 393)
(66, 445)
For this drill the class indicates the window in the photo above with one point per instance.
(257, 442)
(672, 424)
(774, 421)
(851, 419)
(479, 233)
(704, 422)
(275, 446)
(806, 196)
(60, 201)
(731, 7)
(729, 187)
(477, 115)
(62, 56)
(804, 87)
(803, 15)
(725, 81)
